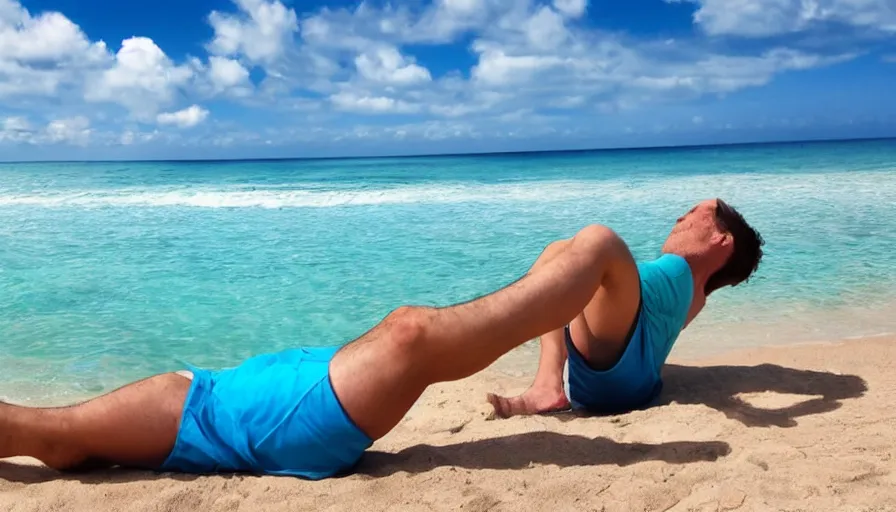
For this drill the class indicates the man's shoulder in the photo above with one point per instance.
(671, 266)
(667, 282)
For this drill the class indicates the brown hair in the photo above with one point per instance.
(747, 249)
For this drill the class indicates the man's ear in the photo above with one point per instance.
(723, 239)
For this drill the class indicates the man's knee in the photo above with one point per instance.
(407, 328)
(596, 234)
(597, 240)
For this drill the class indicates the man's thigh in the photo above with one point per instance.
(603, 330)
(135, 425)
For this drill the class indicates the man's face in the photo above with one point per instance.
(696, 231)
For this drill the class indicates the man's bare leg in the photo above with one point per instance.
(378, 377)
(546, 393)
(599, 333)
(135, 426)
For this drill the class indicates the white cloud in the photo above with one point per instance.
(571, 8)
(441, 21)
(48, 37)
(39, 54)
(186, 118)
(143, 78)
(21, 80)
(15, 129)
(16, 123)
(75, 130)
(756, 18)
(261, 31)
(724, 74)
(529, 54)
(446, 19)
(336, 65)
(228, 75)
(387, 65)
(353, 102)
(129, 137)
(496, 67)
(546, 29)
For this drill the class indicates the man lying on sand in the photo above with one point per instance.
(615, 348)
(312, 412)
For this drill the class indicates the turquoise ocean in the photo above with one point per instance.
(110, 272)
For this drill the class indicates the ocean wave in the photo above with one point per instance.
(305, 198)
(835, 188)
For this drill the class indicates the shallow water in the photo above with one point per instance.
(113, 271)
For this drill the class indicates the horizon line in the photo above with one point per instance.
(474, 154)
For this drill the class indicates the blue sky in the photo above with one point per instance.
(106, 79)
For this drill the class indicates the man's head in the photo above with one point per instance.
(717, 236)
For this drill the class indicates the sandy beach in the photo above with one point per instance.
(808, 428)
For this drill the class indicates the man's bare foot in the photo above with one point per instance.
(536, 400)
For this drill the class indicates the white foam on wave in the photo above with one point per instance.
(300, 198)
(838, 188)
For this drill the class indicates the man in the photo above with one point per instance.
(615, 348)
(313, 412)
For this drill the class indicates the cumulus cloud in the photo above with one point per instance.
(260, 32)
(16, 123)
(47, 37)
(388, 66)
(546, 29)
(354, 102)
(15, 129)
(143, 78)
(39, 54)
(186, 118)
(226, 72)
(75, 130)
(228, 76)
(756, 18)
(48, 55)
(129, 137)
(528, 54)
(571, 8)
(339, 65)
(72, 130)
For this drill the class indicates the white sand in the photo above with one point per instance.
(807, 428)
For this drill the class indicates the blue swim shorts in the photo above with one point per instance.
(667, 289)
(274, 414)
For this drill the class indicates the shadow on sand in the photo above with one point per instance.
(28, 474)
(520, 450)
(719, 387)
(509, 452)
